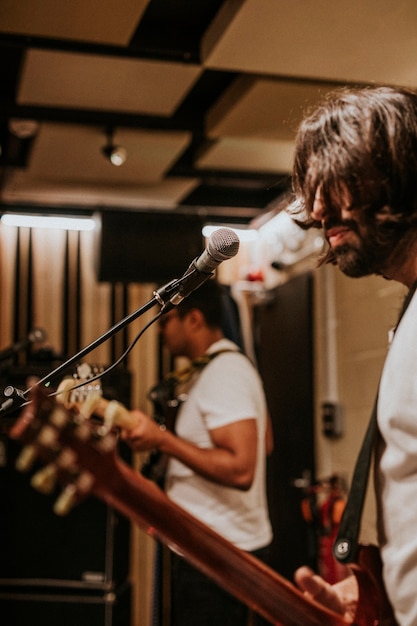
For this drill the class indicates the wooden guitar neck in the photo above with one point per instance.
(68, 444)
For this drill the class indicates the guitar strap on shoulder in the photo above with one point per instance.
(346, 545)
(184, 374)
(164, 394)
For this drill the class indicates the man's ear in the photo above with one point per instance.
(196, 318)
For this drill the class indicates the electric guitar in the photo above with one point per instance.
(82, 457)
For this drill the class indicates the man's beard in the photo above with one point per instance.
(353, 261)
(371, 254)
(373, 251)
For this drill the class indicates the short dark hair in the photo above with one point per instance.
(363, 140)
(208, 298)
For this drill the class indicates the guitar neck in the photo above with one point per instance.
(145, 504)
(242, 575)
(88, 463)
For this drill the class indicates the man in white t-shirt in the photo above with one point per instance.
(217, 454)
(355, 176)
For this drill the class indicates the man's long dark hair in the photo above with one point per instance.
(363, 141)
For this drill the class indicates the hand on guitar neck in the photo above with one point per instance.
(341, 597)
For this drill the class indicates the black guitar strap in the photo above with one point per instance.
(346, 545)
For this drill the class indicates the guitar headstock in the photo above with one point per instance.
(65, 444)
(82, 389)
(83, 392)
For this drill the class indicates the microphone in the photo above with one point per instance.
(222, 245)
(36, 335)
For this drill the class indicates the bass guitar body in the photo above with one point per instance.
(83, 459)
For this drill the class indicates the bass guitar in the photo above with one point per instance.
(82, 457)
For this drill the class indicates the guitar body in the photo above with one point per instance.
(368, 572)
(87, 463)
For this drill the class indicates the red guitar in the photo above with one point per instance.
(83, 458)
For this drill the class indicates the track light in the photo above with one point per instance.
(117, 155)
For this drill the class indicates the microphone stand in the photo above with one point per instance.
(223, 245)
(164, 296)
(97, 342)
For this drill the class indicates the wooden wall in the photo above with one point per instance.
(47, 280)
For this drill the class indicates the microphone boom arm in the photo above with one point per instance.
(164, 296)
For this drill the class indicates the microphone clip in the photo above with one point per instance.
(176, 290)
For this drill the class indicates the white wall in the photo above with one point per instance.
(362, 311)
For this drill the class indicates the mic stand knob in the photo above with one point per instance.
(12, 394)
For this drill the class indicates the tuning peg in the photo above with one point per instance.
(67, 461)
(74, 492)
(63, 392)
(26, 458)
(45, 480)
(66, 500)
(90, 403)
(48, 437)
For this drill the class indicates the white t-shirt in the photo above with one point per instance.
(397, 470)
(227, 390)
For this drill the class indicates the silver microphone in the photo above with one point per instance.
(222, 245)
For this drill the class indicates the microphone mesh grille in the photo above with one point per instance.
(223, 244)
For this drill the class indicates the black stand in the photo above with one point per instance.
(167, 297)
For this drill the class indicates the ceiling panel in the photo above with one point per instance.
(86, 20)
(244, 154)
(22, 189)
(353, 41)
(263, 108)
(63, 79)
(70, 152)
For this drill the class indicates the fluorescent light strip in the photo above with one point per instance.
(244, 234)
(48, 221)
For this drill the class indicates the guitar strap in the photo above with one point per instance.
(183, 375)
(164, 393)
(346, 545)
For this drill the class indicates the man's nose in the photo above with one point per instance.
(319, 208)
